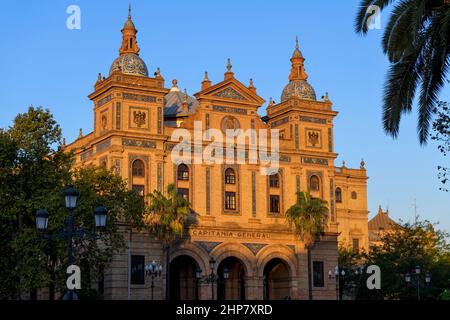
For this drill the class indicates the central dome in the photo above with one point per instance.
(129, 63)
(300, 89)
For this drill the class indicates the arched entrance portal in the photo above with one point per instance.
(232, 288)
(276, 280)
(183, 284)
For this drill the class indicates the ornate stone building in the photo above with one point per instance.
(240, 212)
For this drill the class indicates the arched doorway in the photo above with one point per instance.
(232, 288)
(276, 280)
(183, 283)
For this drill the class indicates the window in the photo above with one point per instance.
(338, 195)
(318, 279)
(138, 169)
(230, 200)
(184, 193)
(137, 270)
(314, 183)
(183, 172)
(274, 204)
(118, 111)
(139, 189)
(230, 176)
(356, 245)
(354, 195)
(274, 180)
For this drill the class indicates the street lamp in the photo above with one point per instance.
(71, 196)
(417, 272)
(42, 220)
(336, 277)
(427, 278)
(153, 271)
(226, 273)
(212, 263)
(100, 215)
(71, 199)
(212, 278)
(408, 278)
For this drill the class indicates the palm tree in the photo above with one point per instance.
(166, 219)
(309, 218)
(417, 43)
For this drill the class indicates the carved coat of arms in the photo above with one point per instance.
(313, 138)
(139, 118)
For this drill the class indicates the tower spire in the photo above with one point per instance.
(297, 69)
(129, 42)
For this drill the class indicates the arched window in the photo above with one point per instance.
(230, 176)
(183, 172)
(354, 195)
(274, 180)
(138, 168)
(314, 183)
(338, 194)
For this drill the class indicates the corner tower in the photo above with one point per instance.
(306, 129)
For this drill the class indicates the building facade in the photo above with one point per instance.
(240, 211)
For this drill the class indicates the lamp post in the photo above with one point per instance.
(212, 278)
(336, 276)
(153, 271)
(417, 272)
(71, 200)
(212, 263)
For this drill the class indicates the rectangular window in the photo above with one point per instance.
(160, 120)
(274, 181)
(184, 193)
(230, 200)
(207, 126)
(118, 115)
(139, 189)
(137, 270)
(318, 280)
(274, 204)
(356, 245)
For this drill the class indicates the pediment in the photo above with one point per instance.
(231, 90)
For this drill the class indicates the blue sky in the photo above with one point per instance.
(44, 63)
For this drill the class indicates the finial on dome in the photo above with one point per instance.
(174, 85)
(129, 42)
(229, 74)
(206, 76)
(296, 43)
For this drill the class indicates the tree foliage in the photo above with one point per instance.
(34, 173)
(402, 249)
(308, 216)
(441, 128)
(417, 43)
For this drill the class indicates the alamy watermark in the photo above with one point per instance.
(213, 147)
(373, 17)
(73, 21)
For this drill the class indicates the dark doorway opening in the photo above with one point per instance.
(232, 288)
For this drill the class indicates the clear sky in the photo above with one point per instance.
(44, 63)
